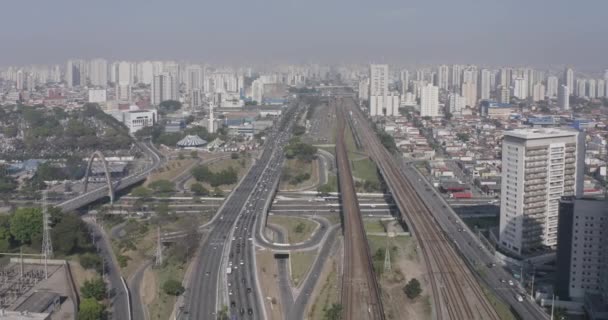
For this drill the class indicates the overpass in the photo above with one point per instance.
(90, 196)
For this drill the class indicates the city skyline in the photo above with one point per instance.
(277, 32)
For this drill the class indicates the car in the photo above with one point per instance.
(250, 311)
(502, 280)
(248, 290)
(511, 282)
(243, 280)
(519, 298)
(242, 312)
(232, 304)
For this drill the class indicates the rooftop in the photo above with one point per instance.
(540, 133)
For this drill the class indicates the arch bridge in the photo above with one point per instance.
(99, 155)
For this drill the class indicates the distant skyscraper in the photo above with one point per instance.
(75, 73)
(469, 75)
(568, 78)
(164, 88)
(469, 92)
(538, 92)
(505, 94)
(98, 72)
(505, 77)
(563, 97)
(539, 166)
(484, 84)
(429, 101)
(591, 89)
(145, 72)
(194, 77)
(552, 84)
(443, 77)
(456, 103)
(20, 81)
(364, 89)
(420, 75)
(601, 88)
(123, 73)
(581, 88)
(378, 91)
(520, 88)
(456, 77)
(405, 81)
(123, 92)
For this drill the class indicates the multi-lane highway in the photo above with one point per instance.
(203, 295)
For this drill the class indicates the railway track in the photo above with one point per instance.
(455, 292)
(360, 292)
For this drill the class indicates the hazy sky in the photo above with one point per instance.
(532, 32)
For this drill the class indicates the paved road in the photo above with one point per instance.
(140, 311)
(119, 296)
(470, 247)
(201, 297)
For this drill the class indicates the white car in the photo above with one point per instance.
(519, 298)
(511, 282)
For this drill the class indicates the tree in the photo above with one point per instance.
(412, 288)
(169, 106)
(194, 154)
(90, 309)
(300, 227)
(173, 287)
(464, 137)
(5, 233)
(69, 233)
(199, 190)
(324, 190)
(234, 156)
(334, 312)
(217, 192)
(91, 261)
(26, 224)
(95, 289)
(299, 130)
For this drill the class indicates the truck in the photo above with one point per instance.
(229, 270)
(461, 195)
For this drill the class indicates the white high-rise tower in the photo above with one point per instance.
(378, 91)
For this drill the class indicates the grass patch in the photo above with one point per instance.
(240, 165)
(300, 264)
(331, 150)
(365, 169)
(397, 245)
(172, 169)
(162, 306)
(294, 173)
(298, 229)
(328, 294)
(501, 308)
(373, 226)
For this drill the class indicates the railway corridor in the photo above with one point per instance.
(454, 289)
(360, 293)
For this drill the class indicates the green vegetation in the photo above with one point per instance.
(299, 229)
(300, 150)
(7, 183)
(412, 289)
(141, 192)
(334, 312)
(464, 137)
(173, 287)
(90, 309)
(163, 188)
(501, 308)
(95, 289)
(387, 141)
(300, 264)
(372, 226)
(227, 176)
(298, 130)
(199, 190)
(169, 106)
(53, 133)
(324, 190)
(91, 261)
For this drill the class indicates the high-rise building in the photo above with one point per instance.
(123, 92)
(568, 78)
(505, 77)
(520, 88)
(123, 73)
(539, 92)
(145, 72)
(405, 81)
(194, 77)
(505, 94)
(20, 80)
(601, 88)
(552, 85)
(443, 75)
(469, 92)
(429, 101)
(469, 75)
(420, 74)
(75, 73)
(364, 89)
(456, 77)
(484, 84)
(581, 88)
(164, 87)
(563, 97)
(582, 257)
(456, 103)
(98, 72)
(378, 91)
(539, 166)
(591, 89)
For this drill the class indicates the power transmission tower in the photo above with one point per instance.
(159, 250)
(47, 245)
(387, 257)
